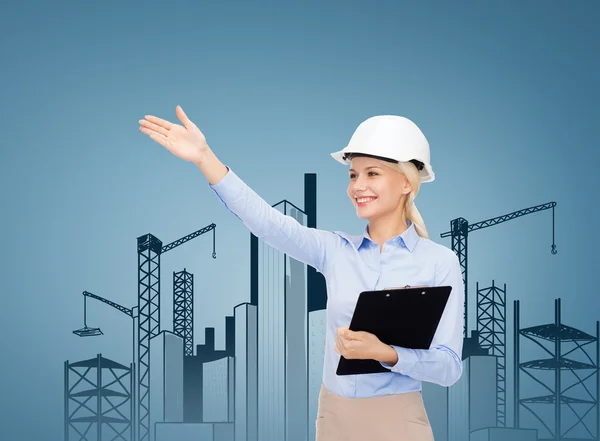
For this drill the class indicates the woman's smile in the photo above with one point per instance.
(363, 201)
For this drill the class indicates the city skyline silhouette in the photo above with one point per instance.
(506, 94)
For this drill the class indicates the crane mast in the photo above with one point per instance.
(150, 250)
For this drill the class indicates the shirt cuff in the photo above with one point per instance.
(229, 187)
(407, 358)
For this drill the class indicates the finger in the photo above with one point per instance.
(346, 344)
(351, 346)
(150, 132)
(348, 350)
(161, 139)
(183, 118)
(154, 127)
(350, 335)
(359, 335)
(159, 121)
(343, 347)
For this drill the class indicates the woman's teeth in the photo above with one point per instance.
(365, 200)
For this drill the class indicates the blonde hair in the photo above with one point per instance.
(410, 209)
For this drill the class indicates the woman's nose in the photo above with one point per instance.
(358, 185)
(361, 180)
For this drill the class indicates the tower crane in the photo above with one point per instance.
(460, 229)
(147, 315)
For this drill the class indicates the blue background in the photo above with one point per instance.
(506, 93)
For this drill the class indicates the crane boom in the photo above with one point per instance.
(123, 309)
(189, 237)
(506, 217)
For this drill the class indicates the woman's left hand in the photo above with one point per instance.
(358, 344)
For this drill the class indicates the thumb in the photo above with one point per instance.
(183, 118)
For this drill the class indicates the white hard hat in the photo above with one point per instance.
(392, 138)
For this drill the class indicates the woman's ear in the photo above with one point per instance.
(407, 187)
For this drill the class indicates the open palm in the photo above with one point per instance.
(186, 142)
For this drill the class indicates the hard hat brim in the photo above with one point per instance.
(427, 174)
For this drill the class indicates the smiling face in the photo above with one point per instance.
(376, 190)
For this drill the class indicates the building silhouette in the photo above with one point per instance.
(166, 379)
(281, 307)
(246, 373)
(193, 370)
(217, 390)
(285, 293)
(315, 306)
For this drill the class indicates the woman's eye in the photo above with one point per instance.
(369, 173)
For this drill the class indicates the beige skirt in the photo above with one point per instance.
(397, 417)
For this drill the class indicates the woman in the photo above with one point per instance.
(389, 158)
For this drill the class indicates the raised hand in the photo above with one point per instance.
(186, 142)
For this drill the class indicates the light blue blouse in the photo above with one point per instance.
(352, 264)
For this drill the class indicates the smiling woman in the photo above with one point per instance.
(389, 158)
(394, 153)
(381, 192)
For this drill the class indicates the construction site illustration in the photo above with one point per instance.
(264, 385)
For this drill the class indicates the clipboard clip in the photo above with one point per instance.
(405, 287)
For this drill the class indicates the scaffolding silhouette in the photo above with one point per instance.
(102, 392)
(491, 325)
(561, 361)
(183, 309)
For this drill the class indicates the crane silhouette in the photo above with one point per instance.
(492, 327)
(146, 316)
(460, 229)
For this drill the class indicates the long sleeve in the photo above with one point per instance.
(442, 363)
(282, 232)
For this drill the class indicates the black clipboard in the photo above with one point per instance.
(406, 317)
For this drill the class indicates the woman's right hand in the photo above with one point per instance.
(186, 142)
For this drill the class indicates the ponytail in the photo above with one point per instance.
(410, 209)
